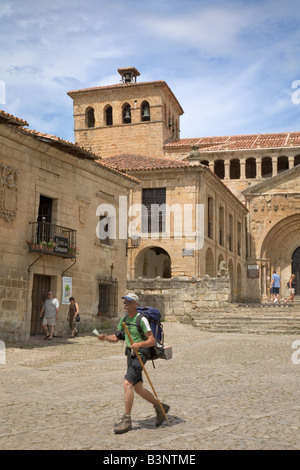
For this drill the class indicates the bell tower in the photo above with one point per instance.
(129, 117)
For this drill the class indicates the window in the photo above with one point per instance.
(108, 297)
(230, 233)
(221, 226)
(109, 116)
(154, 210)
(239, 239)
(90, 117)
(210, 217)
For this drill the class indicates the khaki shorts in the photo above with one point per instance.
(49, 321)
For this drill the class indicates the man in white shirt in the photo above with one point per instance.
(50, 307)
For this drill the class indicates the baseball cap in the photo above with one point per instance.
(131, 297)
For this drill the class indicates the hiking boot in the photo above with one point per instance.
(124, 425)
(159, 414)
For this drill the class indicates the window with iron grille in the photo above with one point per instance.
(154, 210)
(108, 297)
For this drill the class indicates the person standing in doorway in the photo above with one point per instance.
(50, 308)
(275, 287)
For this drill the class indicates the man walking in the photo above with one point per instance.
(50, 308)
(133, 381)
(275, 287)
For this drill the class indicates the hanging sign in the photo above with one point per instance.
(66, 290)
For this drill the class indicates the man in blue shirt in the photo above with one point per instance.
(275, 287)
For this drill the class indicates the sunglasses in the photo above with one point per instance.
(127, 302)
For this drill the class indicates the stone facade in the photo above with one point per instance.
(34, 165)
(244, 163)
(108, 138)
(188, 189)
(180, 297)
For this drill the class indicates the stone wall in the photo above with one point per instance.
(179, 297)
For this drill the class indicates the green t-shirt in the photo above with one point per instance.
(131, 325)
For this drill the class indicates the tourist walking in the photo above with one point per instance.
(50, 308)
(133, 381)
(291, 287)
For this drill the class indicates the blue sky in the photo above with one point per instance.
(231, 64)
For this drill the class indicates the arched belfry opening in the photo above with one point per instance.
(152, 262)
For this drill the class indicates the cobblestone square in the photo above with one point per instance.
(226, 391)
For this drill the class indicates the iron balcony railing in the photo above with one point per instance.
(52, 239)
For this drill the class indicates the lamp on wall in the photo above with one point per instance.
(135, 243)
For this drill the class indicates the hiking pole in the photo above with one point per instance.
(144, 369)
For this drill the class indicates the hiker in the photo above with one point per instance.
(133, 381)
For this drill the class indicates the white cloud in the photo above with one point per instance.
(231, 65)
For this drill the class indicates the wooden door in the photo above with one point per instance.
(41, 287)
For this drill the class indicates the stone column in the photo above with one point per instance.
(227, 169)
(291, 162)
(258, 168)
(274, 166)
(242, 169)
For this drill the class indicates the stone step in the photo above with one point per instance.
(252, 318)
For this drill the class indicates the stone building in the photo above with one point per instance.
(53, 202)
(142, 119)
(209, 218)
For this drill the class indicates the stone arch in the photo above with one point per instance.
(89, 117)
(239, 282)
(151, 262)
(219, 169)
(232, 280)
(108, 115)
(279, 245)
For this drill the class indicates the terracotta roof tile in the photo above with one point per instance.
(72, 149)
(236, 142)
(9, 118)
(141, 162)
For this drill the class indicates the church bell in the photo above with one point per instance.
(146, 114)
(127, 116)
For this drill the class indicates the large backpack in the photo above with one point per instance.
(159, 351)
(153, 316)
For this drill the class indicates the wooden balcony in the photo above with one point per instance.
(52, 239)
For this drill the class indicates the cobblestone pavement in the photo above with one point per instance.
(226, 391)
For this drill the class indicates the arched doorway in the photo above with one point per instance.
(281, 251)
(152, 262)
(296, 269)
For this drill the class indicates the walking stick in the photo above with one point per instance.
(144, 369)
